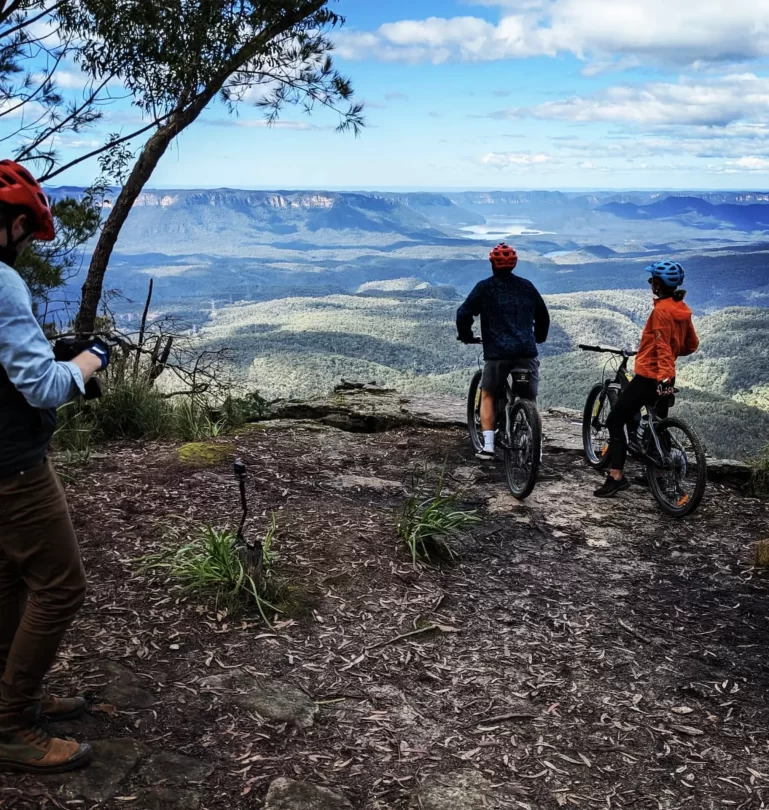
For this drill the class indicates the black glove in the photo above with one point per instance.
(665, 389)
(66, 349)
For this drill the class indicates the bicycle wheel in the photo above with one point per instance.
(474, 412)
(522, 448)
(678, 479)
(595, 436)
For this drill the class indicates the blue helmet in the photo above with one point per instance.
(669, 273)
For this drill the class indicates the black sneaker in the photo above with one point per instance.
(612, 487)
(486, 455)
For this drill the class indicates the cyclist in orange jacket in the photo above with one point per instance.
(668, 335)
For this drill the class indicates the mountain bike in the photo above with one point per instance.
(670, 449)
(518, 430)
(601, 399)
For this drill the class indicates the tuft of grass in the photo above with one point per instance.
(190, 421)
(430, 522)
(759, 483)
(74, 432)
(131, 411)
(762, 554)
(213, 562)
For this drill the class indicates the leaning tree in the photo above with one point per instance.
(178, 57)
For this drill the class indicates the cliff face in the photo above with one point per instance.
(575, 648)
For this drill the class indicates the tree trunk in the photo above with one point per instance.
(153, 150)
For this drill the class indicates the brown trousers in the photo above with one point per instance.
(42, 582)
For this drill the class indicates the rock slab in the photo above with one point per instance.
(123, 688)
(466, 790)
(288, 794)
(113, 761)
(169, 768)
(273, 700)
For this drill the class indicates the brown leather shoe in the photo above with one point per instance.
(57, 710)
(26, 746)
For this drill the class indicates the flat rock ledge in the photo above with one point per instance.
(272, 700)
(468, 790)
(374, 410)
(288, 794)
(163, 779)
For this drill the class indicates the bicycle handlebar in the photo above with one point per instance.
(607, 350)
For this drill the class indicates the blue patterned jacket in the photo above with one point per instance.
(514, 318)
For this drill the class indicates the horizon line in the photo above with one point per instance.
(445, 189)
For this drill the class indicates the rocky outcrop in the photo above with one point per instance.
(370, 409)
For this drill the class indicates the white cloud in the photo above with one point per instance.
(750, 164)
(504, 160)
(65, 79)
(680, 32)
(690, 102)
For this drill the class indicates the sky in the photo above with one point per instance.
(505, 94)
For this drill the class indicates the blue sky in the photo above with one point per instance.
(511, 94)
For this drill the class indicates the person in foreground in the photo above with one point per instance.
(42, 582)
(514, 319)
(668, 335)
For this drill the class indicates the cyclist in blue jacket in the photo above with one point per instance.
(514, 319)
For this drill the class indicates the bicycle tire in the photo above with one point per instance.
(594, 460)
(473, 412)
(693, 500)
(523, 489)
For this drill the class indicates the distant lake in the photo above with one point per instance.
(499, 227)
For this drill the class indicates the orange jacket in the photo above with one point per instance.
(668, 335)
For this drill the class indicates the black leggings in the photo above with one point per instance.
(641, 391)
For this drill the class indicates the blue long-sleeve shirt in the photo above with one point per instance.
(514, 318)
(25, 353)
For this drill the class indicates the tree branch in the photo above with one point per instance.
(45, 178)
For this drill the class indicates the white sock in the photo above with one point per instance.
(488, 441)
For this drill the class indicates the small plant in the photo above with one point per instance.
(762, 554)
(759, 483)
(429, 523)
(240, 410)
(74, 432)
(190, 421)
(213, 561)
(132, 410)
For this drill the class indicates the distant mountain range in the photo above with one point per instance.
(697, 212)
(224, 245)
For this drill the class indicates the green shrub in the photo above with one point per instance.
(212, 562)
(429, 522)
(238, 411)
(132, 411)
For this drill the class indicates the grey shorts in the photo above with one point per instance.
(495, 372)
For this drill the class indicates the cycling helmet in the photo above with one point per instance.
(503, 257)
(669, 273)
(19, 189)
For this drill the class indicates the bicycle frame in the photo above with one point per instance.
(651, 433)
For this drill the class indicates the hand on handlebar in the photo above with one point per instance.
(665, 389)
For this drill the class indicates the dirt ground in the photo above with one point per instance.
(591, 654)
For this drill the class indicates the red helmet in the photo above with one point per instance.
(19, 189)
(503, 257)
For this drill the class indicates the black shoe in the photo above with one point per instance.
(612, 487)
(641, 481)
(486, 455)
